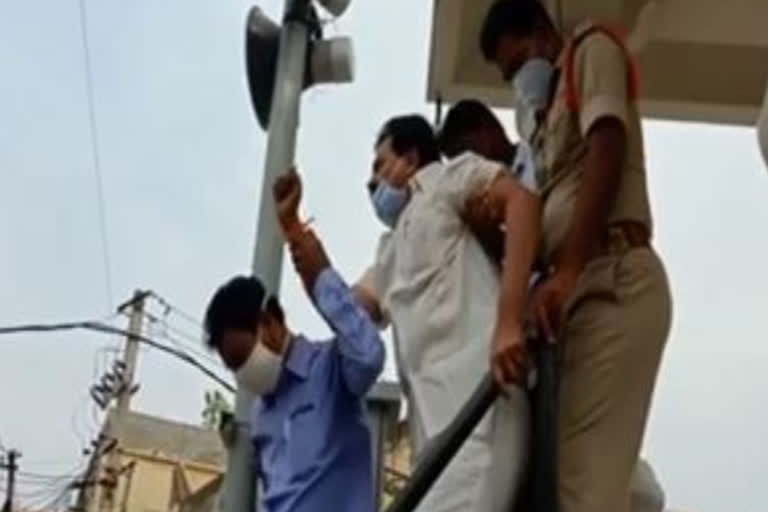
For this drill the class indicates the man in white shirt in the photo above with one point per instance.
(471, 126)
(441, 291)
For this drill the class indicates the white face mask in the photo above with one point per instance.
(261, 371)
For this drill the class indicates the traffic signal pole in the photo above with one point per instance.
(240, 482)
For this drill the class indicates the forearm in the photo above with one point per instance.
(307, 273)
(596, 195)
(360, 348)
(522, 226)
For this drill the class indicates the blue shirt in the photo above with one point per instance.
(312, 436)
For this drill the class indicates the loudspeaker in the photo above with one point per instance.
(262, 43)
(328, 61)
(335, 7)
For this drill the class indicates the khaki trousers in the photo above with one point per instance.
(617, 325)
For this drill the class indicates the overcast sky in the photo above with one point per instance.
(181, 159)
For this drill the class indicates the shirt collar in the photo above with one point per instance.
(424, 176)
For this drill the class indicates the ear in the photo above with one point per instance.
(412, 157)
(272, 333)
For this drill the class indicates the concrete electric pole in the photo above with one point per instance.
(11, 466)
(105, 495)
(240, 483)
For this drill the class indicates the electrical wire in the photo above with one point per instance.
(180, 312)
(189, 342)
(107, 262)
(52, 488)
(108, 329)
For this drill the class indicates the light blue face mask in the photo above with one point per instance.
(531, 82)
(388, 202)
(531, 87)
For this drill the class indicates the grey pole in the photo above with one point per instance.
(240, 482)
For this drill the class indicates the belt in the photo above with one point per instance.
(622, 236)
(616, 238)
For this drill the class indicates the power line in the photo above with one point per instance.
(180, 312)
(95, 154)
(108, 329)
(182, 339)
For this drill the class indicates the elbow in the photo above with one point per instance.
(513, 195)
(362, 373)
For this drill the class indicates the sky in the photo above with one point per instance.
(181, 159)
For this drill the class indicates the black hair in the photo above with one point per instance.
(411, 132)
(521, 18)
(238, 304)
(464, 117)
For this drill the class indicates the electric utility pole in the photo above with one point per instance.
(11, 466)
(240, 483)
(105, 495)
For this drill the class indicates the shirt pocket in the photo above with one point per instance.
(303, 434)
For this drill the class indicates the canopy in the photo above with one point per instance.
(700, 60)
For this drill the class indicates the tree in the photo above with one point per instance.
(216, 406)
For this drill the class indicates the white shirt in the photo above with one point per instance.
(441, 290)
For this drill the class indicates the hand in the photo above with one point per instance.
(309, 258)
(397, 172)
(509, 355)
(547, 302)
(287, 194)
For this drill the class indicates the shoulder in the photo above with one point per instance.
(595, 46)
(467, 160)
(471, 164)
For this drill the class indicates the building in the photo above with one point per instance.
(161, 466)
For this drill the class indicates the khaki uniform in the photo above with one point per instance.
(618, 318)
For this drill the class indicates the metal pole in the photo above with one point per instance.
(445, 446)
(545, 401)
(240, 483)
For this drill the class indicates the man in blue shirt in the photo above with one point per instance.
(312, 438)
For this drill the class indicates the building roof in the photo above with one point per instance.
(170, 438)
(678, 44)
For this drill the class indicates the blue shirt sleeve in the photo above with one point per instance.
(360, 348)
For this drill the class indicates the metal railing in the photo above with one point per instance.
(539, 494)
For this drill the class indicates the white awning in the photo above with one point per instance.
(700, 60)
